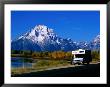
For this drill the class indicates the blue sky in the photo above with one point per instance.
(77, 25)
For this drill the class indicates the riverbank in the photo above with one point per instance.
(40, 65)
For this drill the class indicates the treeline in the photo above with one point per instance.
(45, 54)
(50, 55)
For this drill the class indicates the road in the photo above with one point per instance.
(91, 70)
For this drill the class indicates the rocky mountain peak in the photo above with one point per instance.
(42, 38)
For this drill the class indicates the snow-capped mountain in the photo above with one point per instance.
(42, 38)
(95, 44)
(83, 45)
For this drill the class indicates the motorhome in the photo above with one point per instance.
(81, 56)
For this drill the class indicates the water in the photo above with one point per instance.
(18, 62)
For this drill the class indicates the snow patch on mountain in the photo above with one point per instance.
(42, 38)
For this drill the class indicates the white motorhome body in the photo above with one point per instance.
(80, 51)
(81, 56)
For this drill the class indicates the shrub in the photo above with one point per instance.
(95, 55)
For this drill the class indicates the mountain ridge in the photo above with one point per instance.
(42, 38)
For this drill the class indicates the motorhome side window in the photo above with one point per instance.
(81, 51)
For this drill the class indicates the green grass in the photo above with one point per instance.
(40, 65)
